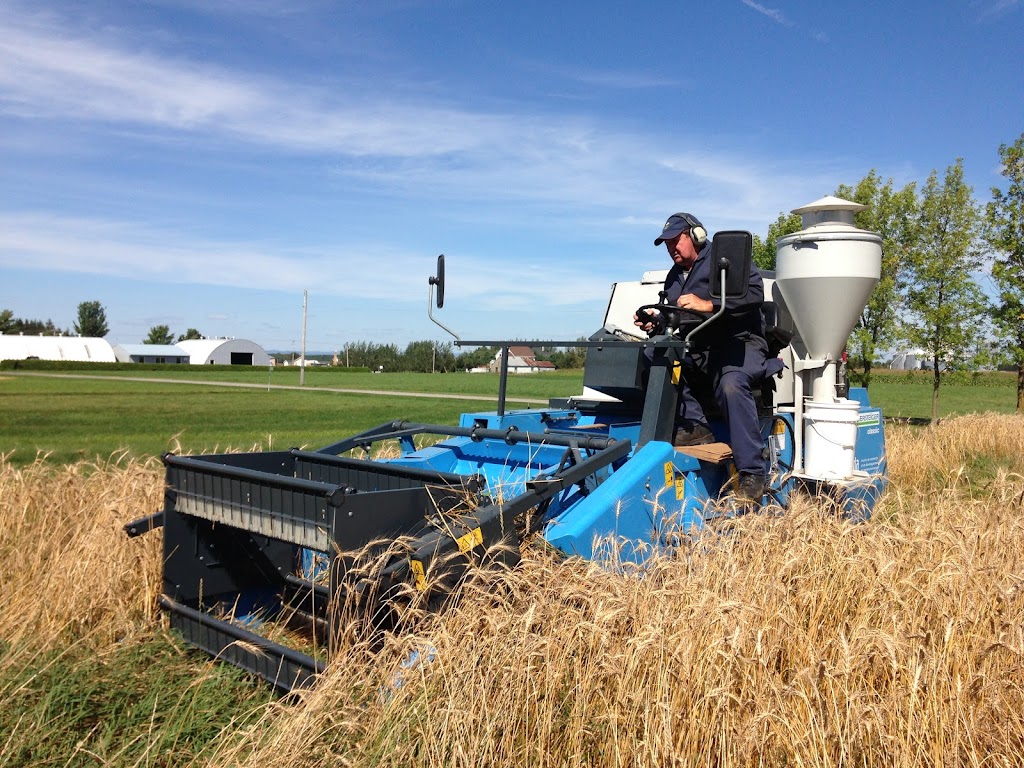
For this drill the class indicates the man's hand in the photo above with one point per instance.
(649, 322)
(695, 303)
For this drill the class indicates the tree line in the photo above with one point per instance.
(92, 322)
(938, 244)
(441, 357)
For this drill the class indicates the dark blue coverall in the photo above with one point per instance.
(728, 359)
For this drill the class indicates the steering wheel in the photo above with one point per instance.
(673, 317)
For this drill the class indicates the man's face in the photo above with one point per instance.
(681, 249)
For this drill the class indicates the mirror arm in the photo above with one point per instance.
(434, 320)
(688, 341)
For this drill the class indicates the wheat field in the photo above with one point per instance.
(794, 640)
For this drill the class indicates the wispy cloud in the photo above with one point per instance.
(772, 13)
(268, 8)
(990, 8)
(43, 74)
(780, 18)
(125, 250)
(46, 74)
(404, 143)
(620, 79)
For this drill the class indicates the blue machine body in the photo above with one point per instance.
(647, 501)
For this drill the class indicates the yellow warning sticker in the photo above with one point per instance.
(680, 483)
(669, 473)
(419, 576)
(472, 539)
(777, 440)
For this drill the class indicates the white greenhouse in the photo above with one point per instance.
(86, 348)
(224, 352)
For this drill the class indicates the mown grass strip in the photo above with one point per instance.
(143, 701)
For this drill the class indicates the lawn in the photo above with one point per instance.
(541, 386)
(73, 419)
(904, 394)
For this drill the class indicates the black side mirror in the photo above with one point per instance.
(733, 251)
(438, 280)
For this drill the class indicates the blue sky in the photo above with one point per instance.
(199, 163)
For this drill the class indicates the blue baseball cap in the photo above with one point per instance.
(677, 224)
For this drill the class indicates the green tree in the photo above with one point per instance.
(40, 328)
(364, 354)
(428, 357)
(159, 334)
(764, 250)
(944, 302)
(418, 356)
(444, 357)
(191, 334)
(92, 320)
(893, 215)
(567, 358)
(1004, 232)
(11, 325)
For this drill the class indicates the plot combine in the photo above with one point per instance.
(262, 539)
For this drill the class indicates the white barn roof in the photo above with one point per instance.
(224, 352)
(168, 350)
(86, 348)
(125, 352)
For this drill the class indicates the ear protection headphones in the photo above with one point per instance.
(698, 234)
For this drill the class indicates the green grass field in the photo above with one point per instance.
(911, 396)
(549, 384)
(77, 418)
(72, 419)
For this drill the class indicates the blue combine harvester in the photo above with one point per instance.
(252, 537)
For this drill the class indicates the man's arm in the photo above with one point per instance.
(695, 303)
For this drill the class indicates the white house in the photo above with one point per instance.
(521, 360)
(302, 362)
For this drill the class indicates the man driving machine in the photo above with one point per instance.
(728, 358)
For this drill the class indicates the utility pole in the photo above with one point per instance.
(302, 369)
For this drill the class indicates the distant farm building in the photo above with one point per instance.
(150, 353)
(521, 360)
(911, 360)
(96, 350)
(85, 348)
(302, 362)
(224, 352)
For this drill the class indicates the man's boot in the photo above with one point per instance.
(692, 433)
(750, 490)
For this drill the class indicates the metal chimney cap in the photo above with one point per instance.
(827, 212)
(830, 203)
